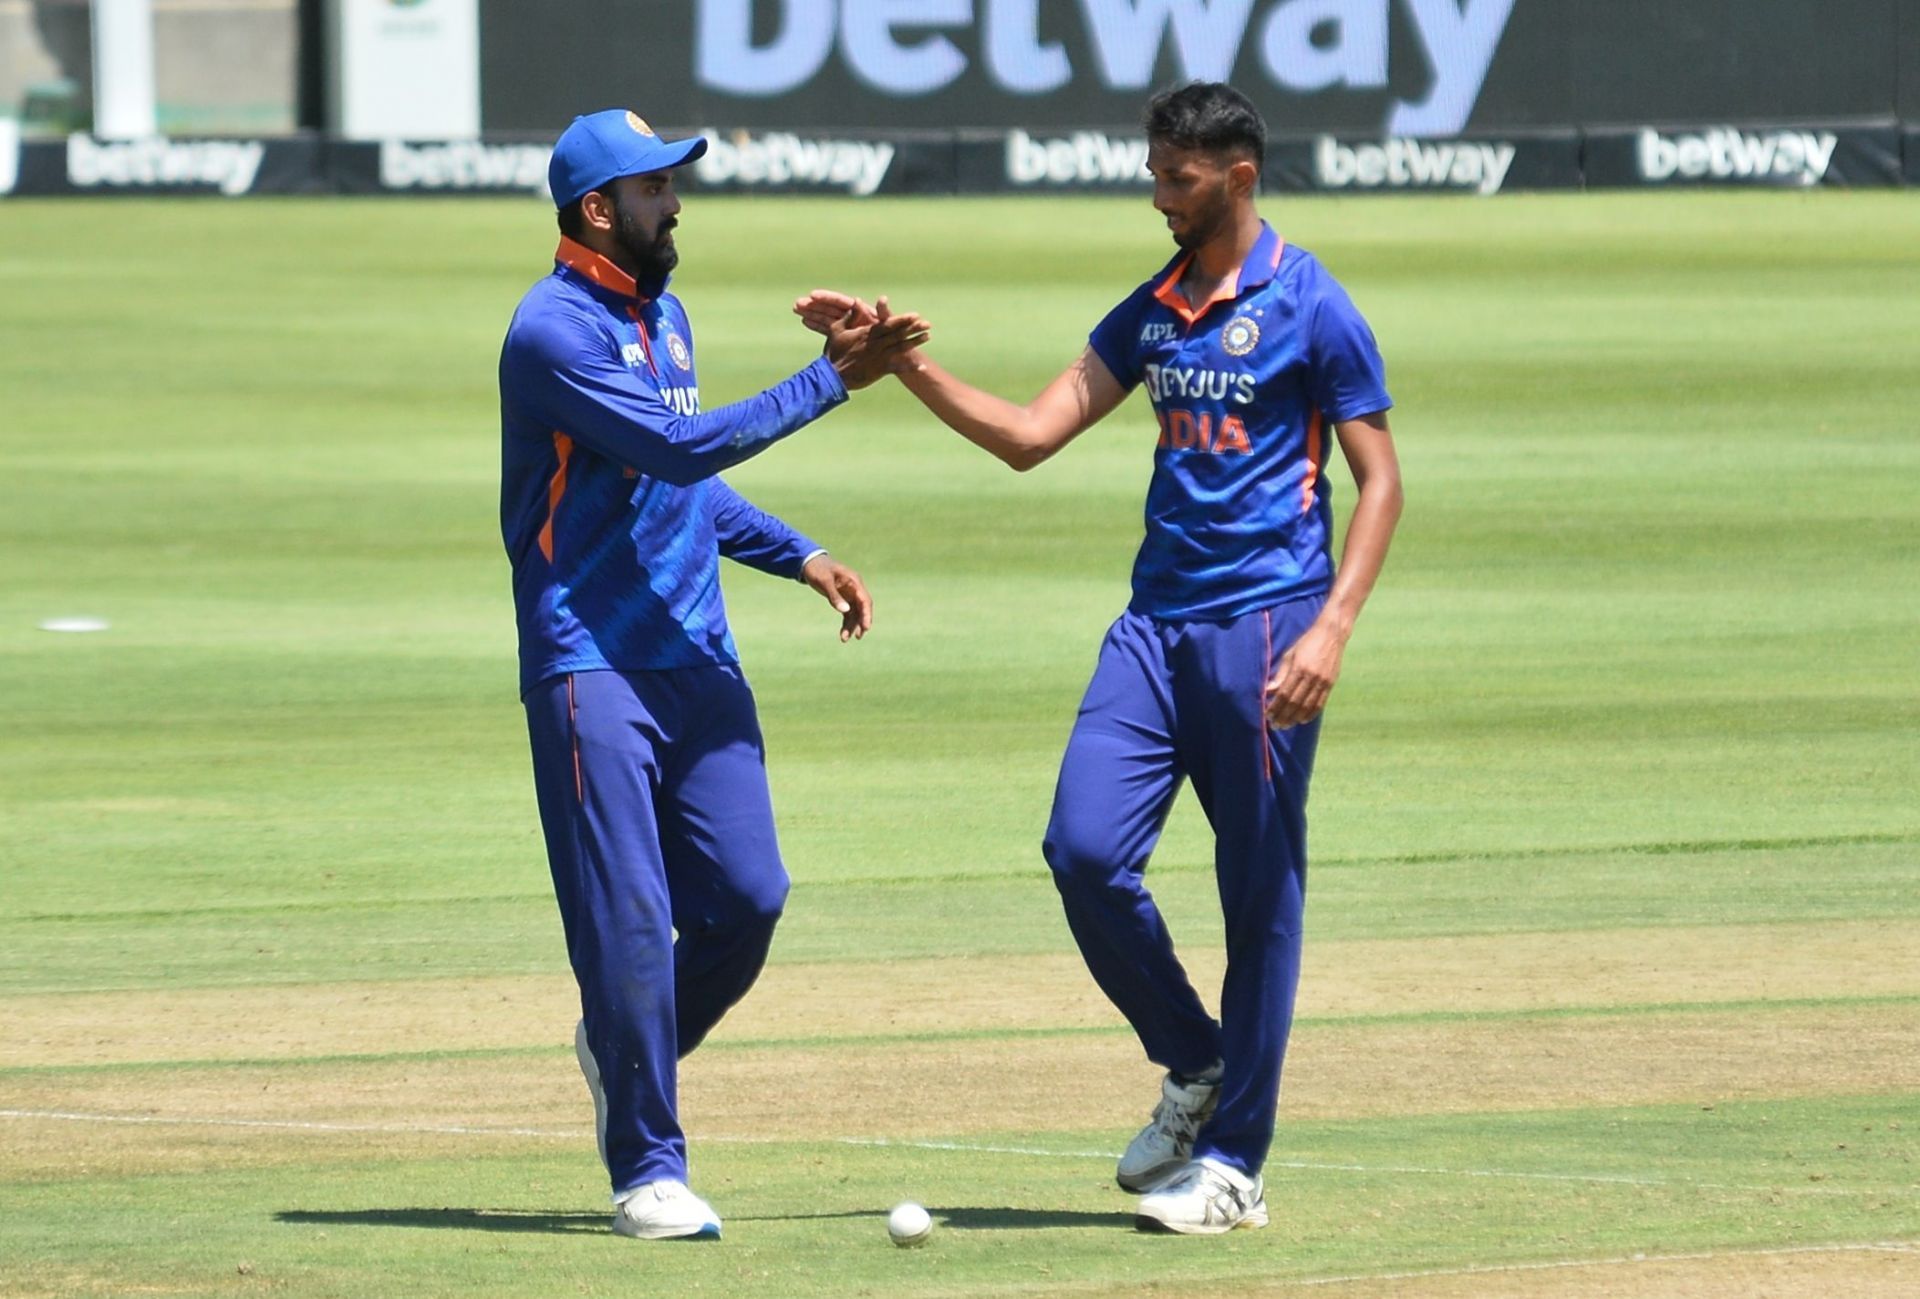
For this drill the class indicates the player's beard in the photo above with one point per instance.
(1212, 216)
(654, 256)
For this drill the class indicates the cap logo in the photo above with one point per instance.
(638, 123)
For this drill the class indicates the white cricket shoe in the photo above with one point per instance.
(590, 1068)
(1166, 1144)
(1206, 1198)
(665, 1210)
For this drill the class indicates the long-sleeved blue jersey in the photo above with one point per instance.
(609, 507)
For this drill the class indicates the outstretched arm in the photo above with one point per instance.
(1022, 436)
(568, 377)
(1308, 670)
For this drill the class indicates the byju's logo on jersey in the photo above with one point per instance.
(677, 349)
(1240, 336)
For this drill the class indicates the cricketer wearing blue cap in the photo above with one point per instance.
(647, 755)
(1250, 353)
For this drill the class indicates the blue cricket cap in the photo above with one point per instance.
(604, 146)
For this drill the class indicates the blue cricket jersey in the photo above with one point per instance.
(609, 508)
(1239, 514)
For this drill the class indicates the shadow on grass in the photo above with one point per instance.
(456, 1219)
(521, 1220)
(970, 1218)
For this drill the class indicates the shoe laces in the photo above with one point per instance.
(1177, 1121)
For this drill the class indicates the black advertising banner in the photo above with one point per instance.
(1020, 161)
(1907, 105)
(786, 162)
(491, 166)
(1346, 68)
(862, 165)
(1770, 157)
(1482, 165)
(83, 165)
(1633, 61)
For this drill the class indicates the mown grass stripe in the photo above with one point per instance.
(1000, 1033)
(1693, 847)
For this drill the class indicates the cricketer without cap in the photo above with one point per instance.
(647, 754)
(1217, 672)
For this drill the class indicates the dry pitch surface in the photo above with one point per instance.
(804, 1059)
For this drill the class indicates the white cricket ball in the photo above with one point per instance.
(909, 1224)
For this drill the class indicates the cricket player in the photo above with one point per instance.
(1251, 355)
(647, 755)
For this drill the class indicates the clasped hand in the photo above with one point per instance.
(864, 343)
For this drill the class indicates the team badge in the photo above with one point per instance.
(638, 123)
(1240, 336)
(677, 349)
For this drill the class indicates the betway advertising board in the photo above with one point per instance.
(81, 165)
(1386, 69)
(1765, 157)
(1413, 67)
(1020, 161)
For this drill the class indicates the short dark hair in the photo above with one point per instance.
(573, 219)
(1210, 116)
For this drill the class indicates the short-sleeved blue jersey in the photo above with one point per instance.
(1239, 514)
(608, 506)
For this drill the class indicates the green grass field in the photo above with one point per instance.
(1613, 966)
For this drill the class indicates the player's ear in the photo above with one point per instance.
(596, 208)
(1243, 177)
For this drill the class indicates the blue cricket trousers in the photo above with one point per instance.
(1185, 700)
(653, 796)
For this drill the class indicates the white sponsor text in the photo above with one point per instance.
(228, 165)
(1085, 157)
(464, 165)
(1796, 157)
(1413, 164)
(901, 47)
(857, 166)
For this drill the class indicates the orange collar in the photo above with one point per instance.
(578, 257)
(1262, 263)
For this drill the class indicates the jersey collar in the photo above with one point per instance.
(602, 273)
(1261, 265)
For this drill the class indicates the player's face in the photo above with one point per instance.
(645, 211)
(1191, 190)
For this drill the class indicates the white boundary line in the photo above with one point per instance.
(581, 1134)
(294, 1125)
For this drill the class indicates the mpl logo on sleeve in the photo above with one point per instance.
(9, 154)
(780, 160)
(1476, 166)
(229, 166)
(1767, 158)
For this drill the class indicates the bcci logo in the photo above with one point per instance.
(638, 123)
(677, 349)
(1240, 336)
